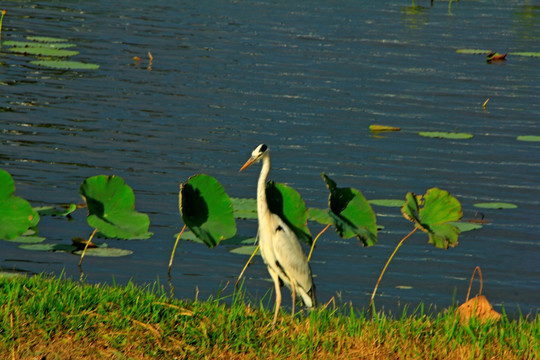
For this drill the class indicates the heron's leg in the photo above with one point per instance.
(293, 290)
(275, 277)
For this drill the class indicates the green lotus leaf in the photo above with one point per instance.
(528, 138)
(52, 211)
(525, 53)
(105, 252)
(45, 39)
(244, 208)
(387, 202)
(287, 203)
(434, 213)
(473, 51)
(495, 205)
(245, 250)
(16, 214)
(322, 216)
(48, 247)
(445, 135)
(351, 213)
(65, 65)
(28, 239)
(111, 207)
(465, 226)
(27, 44)
(206, 209)
(43, 51)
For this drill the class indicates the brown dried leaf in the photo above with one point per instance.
(478, 307)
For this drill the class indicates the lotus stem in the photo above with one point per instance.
(1, 20)
(174, 250)
(86, 246)
(477, 268)
(314, 241)
(371, 305)
(245, 267)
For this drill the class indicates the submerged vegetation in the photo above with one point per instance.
(59, 319)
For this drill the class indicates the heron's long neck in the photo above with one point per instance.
(262, 204)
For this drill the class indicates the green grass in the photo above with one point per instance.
(59, 319)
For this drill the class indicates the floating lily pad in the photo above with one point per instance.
(495, 205)
(28, 239)
(434, 214)
(206, 209)
(48, 247)
(111, 207)
(445, 135)
(65, 65)
(465, 226)
(244, 208)
(16, 214)
(26, 44)
(52, 211)
(43, 51)
(382, 128)
(105, 252)
(473, 51)
(528, 138)
(525, 53)
(45, 39)
(245, 250)
(387, 202)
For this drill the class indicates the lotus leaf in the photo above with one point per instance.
(433, 214)
(206, 209)
(105, 252)
(27, 44)
(387, 202)
(351, 213)
(495, 205)
(16, 214)
(111, 206)
(465, 226)
(43, 51)
(52, 211)
(48, 247)
(244, 208)
(287, 203)
(528, 138)
(445, 135)
(45, 39)
(28, 239)
(245, 250)
(65, 65)
(525, 53)
(473, 51)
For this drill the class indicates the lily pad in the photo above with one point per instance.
(105, 252)
(434, 213)
(43, 51)
(16, 214)
(528, 138)
(52, 211)
(445, 135)
(465, 226)
(28, 239)
(525, 53)
(65, 65)
(111, 206)
(473, 51)
(244, 208)
(496, 205)
(206, 209)
(350, 213)
(387, 202)
(48, 247)
(27, 44)
(45, 39)
(245, 250)
(287, 203)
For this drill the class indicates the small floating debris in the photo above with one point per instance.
(382, 128)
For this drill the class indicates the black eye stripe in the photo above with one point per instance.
(263, 147)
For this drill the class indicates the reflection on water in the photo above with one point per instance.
(308, 79)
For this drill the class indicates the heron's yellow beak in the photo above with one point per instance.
(248, 163)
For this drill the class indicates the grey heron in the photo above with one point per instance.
(280, 248)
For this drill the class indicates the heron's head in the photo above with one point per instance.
(256, 155)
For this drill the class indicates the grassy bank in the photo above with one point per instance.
(44, 318)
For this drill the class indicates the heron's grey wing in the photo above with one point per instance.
(289, 254)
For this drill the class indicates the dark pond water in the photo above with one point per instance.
(307, 78)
